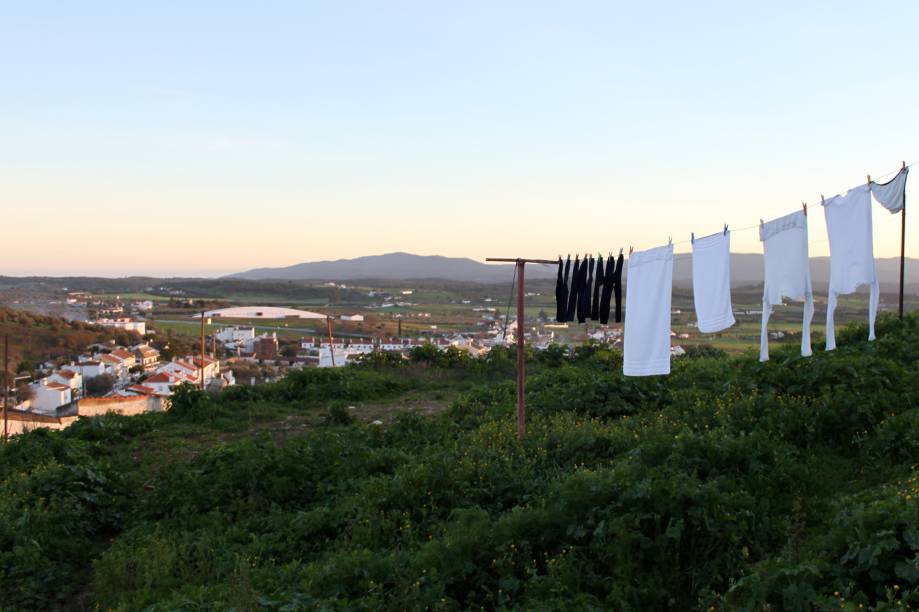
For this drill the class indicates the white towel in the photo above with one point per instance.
(649, 285)
(711, 282)
(848, 223)
(892, 194)
(787, 274)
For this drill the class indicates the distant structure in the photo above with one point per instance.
(261, 312)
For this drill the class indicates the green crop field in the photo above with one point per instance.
(729, 485)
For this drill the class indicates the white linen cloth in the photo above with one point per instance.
(787, 274)
(892, 194)
(711, 282)
(649, 287)
(848, 223)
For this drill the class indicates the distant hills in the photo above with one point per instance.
(397, 266)
(746, 269)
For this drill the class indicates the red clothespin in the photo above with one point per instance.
(804, 205)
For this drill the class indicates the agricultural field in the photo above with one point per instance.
(391, 485)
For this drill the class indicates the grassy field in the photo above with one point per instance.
(729, 485)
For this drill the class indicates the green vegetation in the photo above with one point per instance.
(35, 338)
(729, 485)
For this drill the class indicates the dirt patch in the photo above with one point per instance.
(387, 412)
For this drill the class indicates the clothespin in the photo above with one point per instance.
(804, 206)
(761, 223)
(620, 251)
(669, 240)
(725, 229)
(869, 180)
(822, 201)
(903, 167)
(630, 250)
(692, 237)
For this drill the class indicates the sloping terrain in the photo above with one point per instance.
(729, 485)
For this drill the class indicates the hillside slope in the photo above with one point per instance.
(731, 484)
(396, 266)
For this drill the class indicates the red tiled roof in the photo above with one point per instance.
(142, 389)
(57, 386)
(110, 359)
(121, 353)
(66, 373)
(161, 377)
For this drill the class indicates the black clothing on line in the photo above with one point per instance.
(617, 279)
(608, 284)
(561, 294)
(585, 291)
(599, 282)
(573, 290)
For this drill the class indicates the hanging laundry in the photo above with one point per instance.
(892, 194)
(848, 223)
(573, 290)
(617, 280)
(646, 350)
(711, 282)
(584, 305)
(598, 286)
(561, 293)
(607, 292)
(787, 274)
(610, 284)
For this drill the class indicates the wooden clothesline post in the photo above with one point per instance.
(520, 263)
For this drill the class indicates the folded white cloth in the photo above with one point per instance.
(649, 285)
(892, 195)
(711, 282)
(848, 223)
(787, 274)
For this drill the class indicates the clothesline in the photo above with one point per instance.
(756, 226)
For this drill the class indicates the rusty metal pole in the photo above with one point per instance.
(328, 321)
(202, 350)
(521, 358)
(6, 384)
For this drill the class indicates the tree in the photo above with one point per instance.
(99, 385)
(290, 351)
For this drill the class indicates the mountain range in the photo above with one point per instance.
(746, 269)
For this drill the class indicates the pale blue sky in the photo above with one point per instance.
(209, 137)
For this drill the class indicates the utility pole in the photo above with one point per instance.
(202, 350)
(328, 321)
(6, 385)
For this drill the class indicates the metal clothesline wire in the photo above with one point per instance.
(750, 227)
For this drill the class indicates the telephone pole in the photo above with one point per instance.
(6, 385)
(202, 350)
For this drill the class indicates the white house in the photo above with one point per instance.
(235, 335)
(146, 355)
(162, 383)
(124, 323)
(48, 396)
(112, 365)
(86, 369)
(72, 379)
(127, 358)
(354, 317)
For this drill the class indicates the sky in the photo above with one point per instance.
(204, 138)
